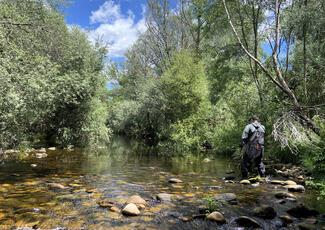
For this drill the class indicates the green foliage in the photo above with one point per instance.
(211, 204)
(53, 89)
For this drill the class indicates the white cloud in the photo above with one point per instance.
(118, 30)
(107, 12)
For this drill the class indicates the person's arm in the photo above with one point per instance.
(245, 135)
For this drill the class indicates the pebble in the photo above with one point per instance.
(130, 210)
(174, 180)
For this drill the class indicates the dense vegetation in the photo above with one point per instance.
(191, 80)
(52, 86)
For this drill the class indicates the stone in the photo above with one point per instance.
(245, 182)
(114, 209)
(105, 203)
(174, 180)
(52, 148)
(283, 195)
(305, 226)
(165, 197)
(300, 177)
(302, 211)
(56, 186)
(33, 165)
(311, 220)
(130, 210)
(255, 185)
(280, 182)
(40, 155)
(290, 182)
(138, 200)
(216, 217)
(245, 221)
(206, 160)
(265, 212)
(295, 188)
(41, 150)
(286, 219)
(226, 197)
(255, 179)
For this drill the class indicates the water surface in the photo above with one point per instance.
(125, 168)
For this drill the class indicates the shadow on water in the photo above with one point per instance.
(62, 190)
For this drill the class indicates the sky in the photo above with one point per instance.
(116, 22)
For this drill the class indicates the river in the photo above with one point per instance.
(31, 197)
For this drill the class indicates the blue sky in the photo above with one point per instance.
(116, 22)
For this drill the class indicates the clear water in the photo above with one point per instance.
(125, 168)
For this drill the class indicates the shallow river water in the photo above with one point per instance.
(29, 200)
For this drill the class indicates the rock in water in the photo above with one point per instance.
(304, 226)
(265, 212)
(302, 211)
(56, 186)
(206, 160)
(105, 203)
(282, 195)
(245, 221)
(280, 182)
(286, 219)
(51, 148)
(174, 180)
(290, 182)
(245, 182)
(164, 197)
(295, 188)
(217, 217)
(130, 210)
(225, 197)
(138, 200)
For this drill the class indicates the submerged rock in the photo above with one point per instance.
(302, 211)
(174, 180)
(130, 210)
(135, 199)
(114, 209)
(40, 155)
(306, 226)
(56, 186)
(41, 150)
(105, 203)
(280, 182)
(265, 212)
(245, 182)
(290, 182)
(295, 188)
(282, 195)
(245, 221)
(217, 217)
(286, 219)
(164, 197)
(226, 197)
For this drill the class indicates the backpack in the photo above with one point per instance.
(257, 137)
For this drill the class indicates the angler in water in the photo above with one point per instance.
(253, 146)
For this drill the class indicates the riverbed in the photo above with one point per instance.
(63, 190)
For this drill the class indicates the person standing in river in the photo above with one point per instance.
(253, 146)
